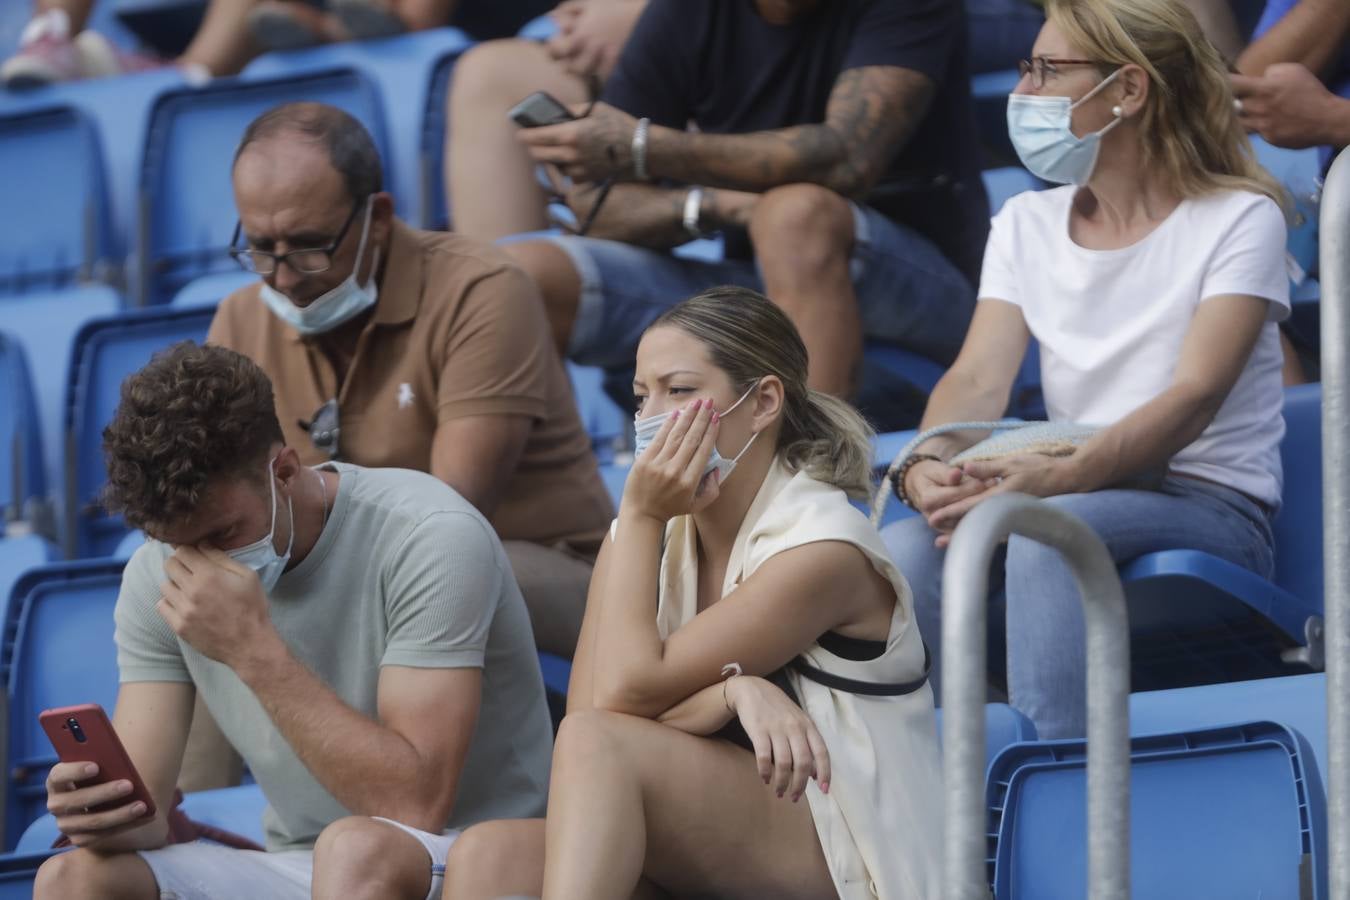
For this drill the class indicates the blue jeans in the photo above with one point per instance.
(908, 293)
(1045, 644)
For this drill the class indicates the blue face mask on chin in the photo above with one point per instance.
(331, 309)
(261, 556)
(645, 431)
(1042, 134)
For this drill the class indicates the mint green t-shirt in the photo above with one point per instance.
(405, 573)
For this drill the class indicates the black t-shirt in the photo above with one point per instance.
(719, 65)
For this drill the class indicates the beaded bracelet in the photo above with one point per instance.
(899, 484)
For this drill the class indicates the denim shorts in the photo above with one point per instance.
(908, 293)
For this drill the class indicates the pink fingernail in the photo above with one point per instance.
(675, 415)
(91, 769)
(716, 417)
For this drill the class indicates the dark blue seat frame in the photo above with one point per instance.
(23, 479)
(42, 669)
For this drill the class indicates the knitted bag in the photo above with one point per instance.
(1011, 437)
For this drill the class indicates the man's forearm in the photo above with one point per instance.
(1311, 33)
(653, 217)
(368, 768)
(813, 154)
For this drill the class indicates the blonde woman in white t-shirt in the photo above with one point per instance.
(672, 776)
(1152, 281)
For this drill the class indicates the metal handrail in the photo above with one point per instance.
(1335, 313)
(965, 580)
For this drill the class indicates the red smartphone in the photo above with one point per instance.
(83, 734)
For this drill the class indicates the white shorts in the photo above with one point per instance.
(205, 871)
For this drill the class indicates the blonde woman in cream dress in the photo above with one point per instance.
(671, 780)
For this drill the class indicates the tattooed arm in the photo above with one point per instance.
(871, 113)
(653, 217)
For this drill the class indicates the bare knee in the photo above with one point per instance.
(591, 736)
(369, 858)
(80, 873)
(558, 282)
(495, 72)
(802, 226)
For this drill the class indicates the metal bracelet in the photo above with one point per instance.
(693, 203)
(639, 149)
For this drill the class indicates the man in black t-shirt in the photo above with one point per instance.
(832, 143)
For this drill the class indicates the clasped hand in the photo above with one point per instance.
(214, 603)
(667, 479)
(943, 494)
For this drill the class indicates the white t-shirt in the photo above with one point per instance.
(1110, 323)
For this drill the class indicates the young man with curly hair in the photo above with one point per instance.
(356, 633)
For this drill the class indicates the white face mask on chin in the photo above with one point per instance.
(331, 309)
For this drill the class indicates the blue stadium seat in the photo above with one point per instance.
(614, 474)
(411, 72)
(106, 352)
(17, 873)
(58, 651)
(1194, 614)
(45, 325)
(23, 477)
(609, 427)
(119, 109)
(1001, 184)
(18, 554)
(1227, 812)
(65, 232)
(188, 214)
(209, 290)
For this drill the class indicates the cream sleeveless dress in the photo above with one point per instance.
(881, 823)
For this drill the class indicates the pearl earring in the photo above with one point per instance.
(1117, 111)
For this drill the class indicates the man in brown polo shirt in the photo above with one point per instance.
(389, 346)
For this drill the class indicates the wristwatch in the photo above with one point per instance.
(693, 204)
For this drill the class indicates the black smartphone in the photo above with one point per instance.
(539, 109)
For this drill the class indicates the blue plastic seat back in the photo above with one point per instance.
(1298, 526)
(62, 654)
(17, 874)
(51, 169)
(45, 325)
(1005, 183)
(1227, 812)
(18, 555)
(608, 425)
(106, 352)
(1003, 727)
(22, 471)
(188, 213)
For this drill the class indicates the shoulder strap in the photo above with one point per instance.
(866, 688)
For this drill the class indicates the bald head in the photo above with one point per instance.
(346, 144)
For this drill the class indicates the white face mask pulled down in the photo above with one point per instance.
(330, 309)
(644, 431)
(261, 556)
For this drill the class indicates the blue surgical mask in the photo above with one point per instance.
(1042, 134)
(331, 309)
(644, 431)
(261, 556)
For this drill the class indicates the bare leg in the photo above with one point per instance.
(358, 858)
(631, 797)
(496, 859)
(803, 235)
(554, 585)
(78, 10)
(488, 175)
(79, 873)
(420, 15)
(558, 281)
(223, 44)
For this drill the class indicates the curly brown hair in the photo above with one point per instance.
(191, 416)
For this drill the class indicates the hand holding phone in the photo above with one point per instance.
(94, 791)
(539, 109)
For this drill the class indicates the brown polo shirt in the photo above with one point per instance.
(457, 331)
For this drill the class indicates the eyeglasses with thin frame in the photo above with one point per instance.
(1040, 66)
(305, 261)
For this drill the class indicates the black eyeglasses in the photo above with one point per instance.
(306, 261)
(1039, 66)
(323, 428)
